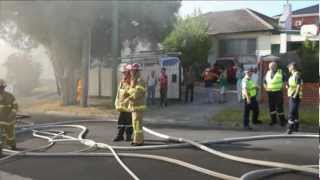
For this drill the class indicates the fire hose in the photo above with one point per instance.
(38, 130)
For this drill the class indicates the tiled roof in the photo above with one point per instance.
(307, 10)
(241, 20)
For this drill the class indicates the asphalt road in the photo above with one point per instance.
(295, 151)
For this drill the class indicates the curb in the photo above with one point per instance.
(74, 114)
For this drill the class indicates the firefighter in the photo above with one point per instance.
(137, 105)
(294, 96)
(125, 118)
(249, 93)
(8, 110)
(273, 84)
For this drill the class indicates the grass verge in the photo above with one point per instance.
(309, 115)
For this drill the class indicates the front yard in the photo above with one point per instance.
(309, 115)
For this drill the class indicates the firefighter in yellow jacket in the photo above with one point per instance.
(136, 101)
(125, 118)
(8, 109)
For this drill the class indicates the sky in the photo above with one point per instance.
(269, 8)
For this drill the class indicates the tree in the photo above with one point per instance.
(63, 28)
(190, 37)
(309, 53)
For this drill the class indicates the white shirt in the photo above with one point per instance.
(151, 81)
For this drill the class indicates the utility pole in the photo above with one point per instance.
(115, 47)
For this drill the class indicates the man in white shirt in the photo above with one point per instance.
(152, 84)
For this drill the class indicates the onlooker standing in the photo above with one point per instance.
(223, 83)
(208, 77)
(152, 84)
(216, 71)
(163, 87)
(295, 95)
(189, 79)
(249, 92)
(239, 76)
(231, 74)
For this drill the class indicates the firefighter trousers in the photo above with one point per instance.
(137, 117)
(276, 107)
(8, 134)
(125, 124)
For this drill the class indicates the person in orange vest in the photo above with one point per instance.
(208, 78)
(125, 117)
(137, 104)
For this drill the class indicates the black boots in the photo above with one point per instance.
(119, 137)
(290, 129)
(293, 127)
(296, 127)
(121, 131)
(273, 119)
(283, 121)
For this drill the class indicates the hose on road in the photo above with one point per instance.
(40, 132)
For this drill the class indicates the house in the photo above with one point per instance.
(241, 33)
(247, 35)
(304, 16)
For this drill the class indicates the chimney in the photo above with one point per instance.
(285, 20)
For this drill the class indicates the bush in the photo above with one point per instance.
(22, 73)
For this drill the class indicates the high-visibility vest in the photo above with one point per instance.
(251, 88)
(275, 83)
(292, 83)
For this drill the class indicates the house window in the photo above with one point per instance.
(275, 49)
(298, 23)
(236, 47)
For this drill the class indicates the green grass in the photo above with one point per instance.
(309, 115)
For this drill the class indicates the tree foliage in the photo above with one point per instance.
(22, 73)
(62, 27)
(309, 53)
(190, 37)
